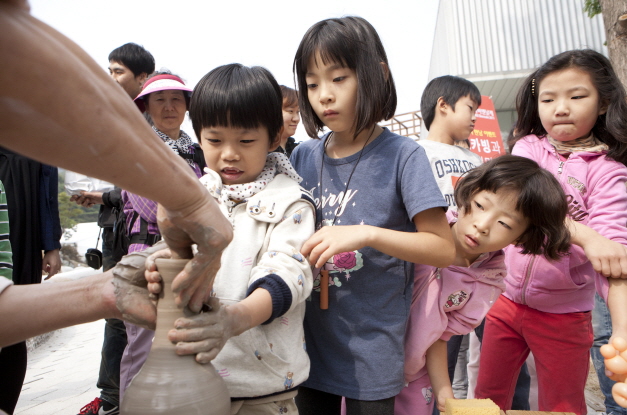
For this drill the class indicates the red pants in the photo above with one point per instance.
(560, 344)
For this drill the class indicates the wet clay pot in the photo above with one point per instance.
(168, 383)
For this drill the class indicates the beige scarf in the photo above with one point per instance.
(590, 143)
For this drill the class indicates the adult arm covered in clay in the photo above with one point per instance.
(118, 293)
(57, 106)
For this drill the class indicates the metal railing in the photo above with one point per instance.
(407, 124)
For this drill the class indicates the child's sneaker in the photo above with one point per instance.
(99, 407)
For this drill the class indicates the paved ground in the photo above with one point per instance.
(62, 372)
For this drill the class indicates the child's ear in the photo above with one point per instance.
(441, 106)
(603, 107)
(274, 144)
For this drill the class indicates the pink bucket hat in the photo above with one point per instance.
(161, 83)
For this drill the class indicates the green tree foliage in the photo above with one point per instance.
(69, 212)
(592, 7)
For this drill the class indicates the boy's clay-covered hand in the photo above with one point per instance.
(615, 354)
(206, 334)
(202, 224)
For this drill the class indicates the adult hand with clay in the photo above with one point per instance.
(118, 293)
(121, 292)
(211, 232)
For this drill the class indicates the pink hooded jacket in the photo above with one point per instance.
(449, 301)
(595, 190)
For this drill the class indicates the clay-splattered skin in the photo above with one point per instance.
(76, 116)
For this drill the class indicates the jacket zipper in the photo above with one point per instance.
(527, 278)
(559, 169)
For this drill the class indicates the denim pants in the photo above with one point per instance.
(602, 328)
(114, 338)
(112, 349)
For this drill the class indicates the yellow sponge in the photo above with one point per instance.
(471, 407)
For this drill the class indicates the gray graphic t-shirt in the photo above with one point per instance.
(356, 346)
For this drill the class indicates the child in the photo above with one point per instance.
(373, 190)
(291, 118)
(508, 200)
(165, 98)
(448, 107)
(256, 328)
(571, 114)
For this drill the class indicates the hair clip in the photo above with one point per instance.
(533, 87)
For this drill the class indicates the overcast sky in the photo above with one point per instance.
(192, 37)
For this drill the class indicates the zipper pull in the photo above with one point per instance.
(559, 169)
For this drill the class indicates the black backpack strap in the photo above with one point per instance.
(198, 157)
(143, 237)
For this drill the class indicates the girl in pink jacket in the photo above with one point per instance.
(571, 120)
(498, 204)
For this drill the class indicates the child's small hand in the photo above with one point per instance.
(442, 396)
(607, 257)
(615, 354)
(152, 275)
(204, 334)
(332, 240)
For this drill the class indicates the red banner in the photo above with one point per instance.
(485, 140)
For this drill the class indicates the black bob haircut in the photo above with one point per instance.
(237, 96)
(540, 199)
(134, 57)
(451, 89)
(353, 43)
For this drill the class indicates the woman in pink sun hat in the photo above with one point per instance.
(165, 100)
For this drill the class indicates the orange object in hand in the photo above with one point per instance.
(324, 289)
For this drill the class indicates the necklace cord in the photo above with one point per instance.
(326, 144)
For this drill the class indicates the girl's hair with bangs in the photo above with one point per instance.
(353, 43)
(610, 128)
(540, 199)
(237, 96)
(290, 96)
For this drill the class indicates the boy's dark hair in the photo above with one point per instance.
(540, 199)
(134, 57)
(353, 43)
(610, 128)
(238, 96)
(451, 89)
(290, 96)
